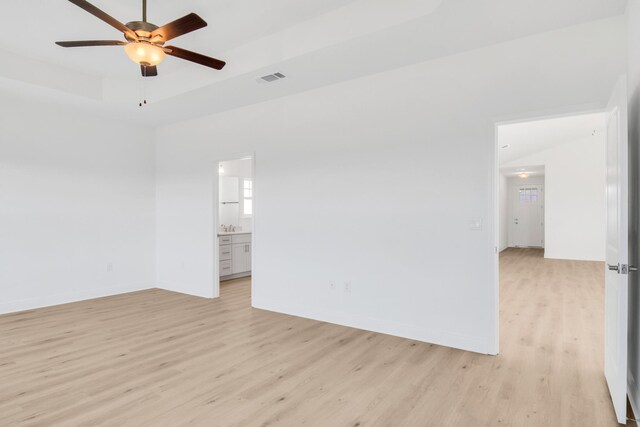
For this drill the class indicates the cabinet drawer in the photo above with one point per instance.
(225, 268)
(225, 240)
(225, 252)
(241, 238)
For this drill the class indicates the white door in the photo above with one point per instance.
(527, 218)
(616, 276)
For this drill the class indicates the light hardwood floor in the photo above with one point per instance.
(157, 358)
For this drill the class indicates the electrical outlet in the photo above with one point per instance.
(347, 287)
(110, 267)
(332, 286)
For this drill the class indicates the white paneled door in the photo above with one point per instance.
(527, 219)
(617, 271)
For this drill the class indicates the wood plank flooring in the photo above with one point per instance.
(157, 358)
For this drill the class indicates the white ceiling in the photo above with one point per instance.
(231, 23)
(314, 42)
(532, 171)
(530, 137)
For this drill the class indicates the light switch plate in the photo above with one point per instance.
(475, 225)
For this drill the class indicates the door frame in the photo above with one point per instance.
(216, 218)
(493, 346)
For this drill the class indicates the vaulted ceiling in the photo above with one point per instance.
(526, 138)
(313, 42)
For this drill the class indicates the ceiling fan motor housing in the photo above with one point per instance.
(143, 30)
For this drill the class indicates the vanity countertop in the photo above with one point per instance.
(231, 233)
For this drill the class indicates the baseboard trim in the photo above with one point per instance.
(235, 276)
(432, 336)
(634, 397)
(573, 258)
(68, 297)
(191, 290)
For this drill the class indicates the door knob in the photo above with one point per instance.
(632, 268)
(613, 267)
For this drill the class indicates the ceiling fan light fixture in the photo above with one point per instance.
(144, 53)
(145, 41)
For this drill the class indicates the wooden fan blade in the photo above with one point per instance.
(207, 61)
(149, 70)
(104, 17)
(84, 43)
(184, 25)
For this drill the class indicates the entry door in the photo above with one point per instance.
(616, 276)
(527, 222)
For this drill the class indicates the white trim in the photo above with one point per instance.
(235, 276)
(494, 212)
(383, 326)
(69, 297)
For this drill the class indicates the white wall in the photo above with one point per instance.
(575, 202)
(76, 194)
(633, 75)
(503, 212)
(380, 177)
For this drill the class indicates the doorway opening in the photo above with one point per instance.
(522, 207)
(551, 233)
(234, 227)
(552, 186)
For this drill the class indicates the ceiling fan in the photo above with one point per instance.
(145, 41)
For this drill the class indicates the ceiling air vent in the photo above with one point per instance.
(271, 77)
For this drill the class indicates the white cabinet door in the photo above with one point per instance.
(241, 257)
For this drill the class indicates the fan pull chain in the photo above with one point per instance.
(144, 94)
